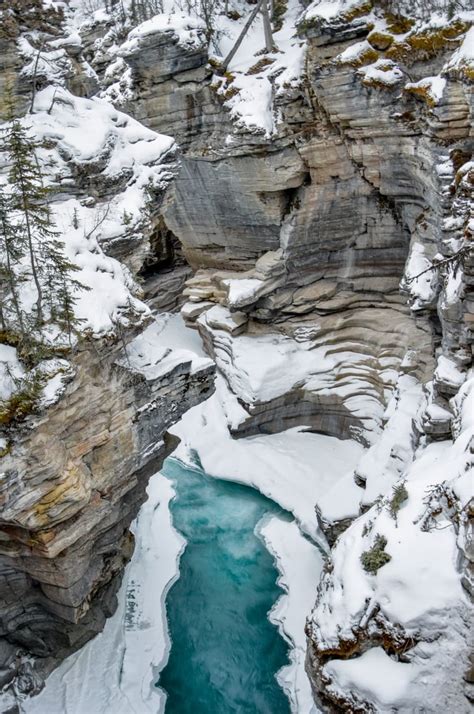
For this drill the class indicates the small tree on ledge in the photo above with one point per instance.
(31, 241)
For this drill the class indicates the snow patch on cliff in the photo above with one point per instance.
(258, 76)
(189, 31)
(150, 353)
(90, 139)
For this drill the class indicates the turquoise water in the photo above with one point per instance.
(225, 653)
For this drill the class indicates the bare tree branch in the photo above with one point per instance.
(456, 258)
(35, 72)
(98, 222)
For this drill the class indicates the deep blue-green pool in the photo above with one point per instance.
(225, 653)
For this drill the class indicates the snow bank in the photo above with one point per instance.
(189, 31)
(419, 280)
(300, 564)
(242, 292)
(383, 464)
(293, 468)
(432, 86)
(378, 677)
(383, 72)
(448, 373)
(151, 355)
(329, 9)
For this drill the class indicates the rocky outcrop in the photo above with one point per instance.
(168, 72)
(72, 483)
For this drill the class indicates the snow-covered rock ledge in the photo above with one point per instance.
(393, 606)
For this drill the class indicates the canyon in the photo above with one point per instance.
(311, 219)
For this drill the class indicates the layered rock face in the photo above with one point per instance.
(74, 472)
(315, 227)
(337, 253)
(72, 484)
(299, 241)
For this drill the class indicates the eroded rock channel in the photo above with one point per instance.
(308, 211)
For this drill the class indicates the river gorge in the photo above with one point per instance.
(236, 342)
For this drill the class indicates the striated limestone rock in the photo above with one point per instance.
(71, 485)
(235, 214)
(167, 69)
(328, 289)
(340, 203)
(323, 293)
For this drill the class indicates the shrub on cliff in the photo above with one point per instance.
(373, 559)
(400, 495)
(24, 401)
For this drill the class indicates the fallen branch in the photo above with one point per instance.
(240, 38)
(458, 257)
(98, 222)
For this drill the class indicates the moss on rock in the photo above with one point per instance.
(379, 40)
(423, 46)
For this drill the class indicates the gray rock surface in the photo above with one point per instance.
(325, 219)
(74, 474)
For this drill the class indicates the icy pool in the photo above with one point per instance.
(225, 653)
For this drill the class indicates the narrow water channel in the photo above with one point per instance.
(225, 653)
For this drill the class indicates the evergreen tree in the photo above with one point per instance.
(60, 284)
(12, 254)
(35, 235)
(29, 197)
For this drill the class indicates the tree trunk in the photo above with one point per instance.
(39, 302)
(267, 28)
(35, 72)
(240, 38)
(11, 283)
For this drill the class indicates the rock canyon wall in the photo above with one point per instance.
(334, 250)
